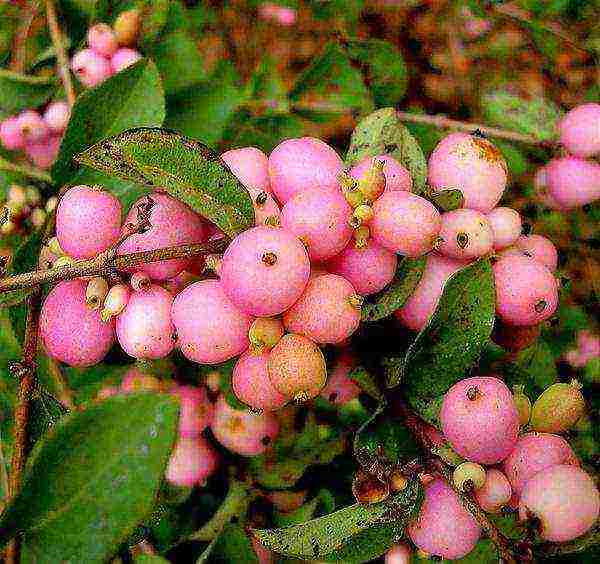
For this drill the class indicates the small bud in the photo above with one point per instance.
(95, 292)
(397, 480)
(356, 301)
(368, 489)
(354, 222)
(51, 204)
(63, 261)
(364, 213)
(54, 247)
(213, 263)
(361, 237)
(468, 476)
(115, 301)
(372, 184)
(37, 217)
(347, 182)
(523, 404)
(8, 227)
(265, 333)
(140, 281)
(127, 27)
(33, 196)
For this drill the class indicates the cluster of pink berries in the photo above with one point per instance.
(587, 349)
(535, 473)
(573, 180)
(108, 51)
(38, 133)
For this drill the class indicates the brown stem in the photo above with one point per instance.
(61, 55)
(107, 263)
(27, 16)
(446, 123)
(3, 477)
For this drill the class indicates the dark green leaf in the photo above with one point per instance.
(149, 559)
(45, 411)
(92, 479)
(307, 511)
(20, 92)
(534, 368)
(366, 381)
(451, 343)
(155, 14)
(131, 98)
(338, 531)
(233, 545)
(382, 133)
(186, 169)
(394, 296)
(447, 200)
(366, 546)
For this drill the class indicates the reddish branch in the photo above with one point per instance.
(62, 59)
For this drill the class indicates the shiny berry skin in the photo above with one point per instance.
(102, 39)
(192, 462)
(250, 165)
(90, 68)
(539, 248)
(56, 116)
(465, 234)
(580, 130)
(571, 182)
(124, 58)
(506, 226)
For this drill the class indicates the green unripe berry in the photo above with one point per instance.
(523, 404)
(558, 408)
(468, 476)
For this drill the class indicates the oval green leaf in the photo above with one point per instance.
(21, 92)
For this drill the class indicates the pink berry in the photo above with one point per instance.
(251, 383)
(192, 462)
(195, 410)
(266, 209)
(465, 234)
(495, 492)
(250, 165)
(526, 291)
(283, 15)
(57, 116)
(124, 58)
(144, 328)
(88, 221)
(506, 226)
(480, 419)
(580, 130)
(533, 453)
(107, 392)
(43, 153)
(472, 165)
(210, 329)
(444, 527)
(171, 223)
(572, 182)
(405, 223)
(588, 343)
(71, 332)
(102, 39)
(398, 554)
(328, 311)
(301, 164)
(539, 248)
(11, 134)
(422, 303)
(243, 432)
(340, 389)
(540, 184)
(320, 220)
(90, 68)
(565, 500)
(396, 176)
(264, 271)
(33, 127)
(369, 269)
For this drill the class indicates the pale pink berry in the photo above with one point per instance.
(472, 165)
(107, 392)
(102, 39)
(564, 498)
(243, 432)
(171, 223)
(320, 220)
(250, 165)
(572, 182)
(328, 311)
(71, 332)
(251, 383)
(580, 130)
(588, 343)
(526, 291)
(264, 271)
(465, 234)
(192, 462)
(210, 329)
(422, 303)
(11, 134)
(301, 164)
(539, 248)
(124, 58)
(444, 527)
(56, 116)
(88, 221)
(398, 554)
(396, 176)
(266, 209)
(495, 492)
(506, 226)
(195, 410)
(283, 15)
(90, 68)
(480, 419)
(33, 127)
(340, 388)
(540, 184)
(533, 453)
(136, 381)
(405, 223)
(144, 328)
(43, 153)
(369, 269)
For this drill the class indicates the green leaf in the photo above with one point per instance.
(131, 98)
(366, 546)
(366, 382)
(382, 133)
(233, 545)
(92, 480)
(451, 343)
(155, 14)
(306, 511)
(149, 559)
(45, 411)
(21, 92)
(395, 295)
(537, 116)
(340, 530)
(533, 367)
(186, 169)
(447, 200)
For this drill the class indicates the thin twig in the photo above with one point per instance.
(106, 264)
(61, 54)
(17, 63)
(443, 122)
